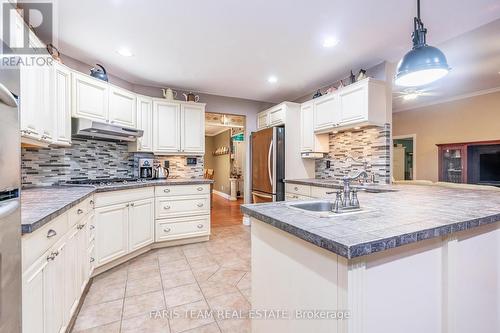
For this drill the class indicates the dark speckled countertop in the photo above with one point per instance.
(409, 214)
(40, 205)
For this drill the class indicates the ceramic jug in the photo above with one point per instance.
(190, 97)
(169, 93)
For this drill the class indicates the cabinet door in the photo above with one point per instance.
(71, 290)
(326, 113)
(122, 107)
(306, 127)
(141, 223)
(145, 123)
(277, 115)
(90, 98)
(353, 104)
(30, 102)
(166, 127)
(53, 279)
(61, 103)
(111, 232)
(262, 120)
(33, 297)
(193, 129)
(83, 260)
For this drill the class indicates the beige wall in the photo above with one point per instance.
(472, 119)
(222, 163)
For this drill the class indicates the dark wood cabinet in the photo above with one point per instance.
(453, 163)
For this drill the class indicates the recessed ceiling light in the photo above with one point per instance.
(125, 52)
(330, 42)
(272, 79)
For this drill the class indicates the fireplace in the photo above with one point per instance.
(483, 164)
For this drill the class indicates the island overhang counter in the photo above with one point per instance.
(419, 259)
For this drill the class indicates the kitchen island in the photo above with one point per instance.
(416, 259)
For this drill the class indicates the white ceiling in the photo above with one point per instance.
(475, 61)
(230, 48)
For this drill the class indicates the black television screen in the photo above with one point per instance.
(489, 169)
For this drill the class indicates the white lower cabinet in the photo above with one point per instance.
(54, 282)
(141, 226)
(112, 232)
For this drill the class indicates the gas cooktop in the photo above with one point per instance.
(112, 181)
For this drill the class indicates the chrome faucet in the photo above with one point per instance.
(347, 198)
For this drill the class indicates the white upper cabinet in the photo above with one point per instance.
(145, 123)
(326, 112)
(262, 120)
(306, 127)
(193, 128)
(90, 98)
(166, 127)
(359, 104)
(61, 104)
(277, 115)
(122, 107)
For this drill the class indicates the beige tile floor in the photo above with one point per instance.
(188, 279)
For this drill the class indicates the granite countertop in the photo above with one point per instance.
(40, 205)
(409, 214)
(335, 184)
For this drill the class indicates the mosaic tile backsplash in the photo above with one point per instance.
(367, 148)
(92, 159)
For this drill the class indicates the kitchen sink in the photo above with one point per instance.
(322, 208)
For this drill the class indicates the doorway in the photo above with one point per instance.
(225, 151)
(403, 157)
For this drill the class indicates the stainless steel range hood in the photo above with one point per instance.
(85, 128)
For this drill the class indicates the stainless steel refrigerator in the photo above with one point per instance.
(268, 165)
(10, 213)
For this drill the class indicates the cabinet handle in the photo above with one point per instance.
(92, 227)
(295, 188)
(200, 205)
(92, 259)
(91, 202)
(132, 204)
(51, 233)
(51, 257)
(80, 226)
(200, 226)
(166, 190)
(127, 205)
(79, 211)
(166, 207)
(167, 230)
(200, 188)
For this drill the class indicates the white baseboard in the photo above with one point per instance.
(224, 195)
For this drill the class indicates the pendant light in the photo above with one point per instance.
(423, 64)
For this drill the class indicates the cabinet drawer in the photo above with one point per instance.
(173, 190)
(123, 196)
(298, 189)
(36, 243)
(81, 210)
(321, 192)
(293, 197)
(182, 206)
(178, 228)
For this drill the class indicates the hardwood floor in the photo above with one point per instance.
(225, 212)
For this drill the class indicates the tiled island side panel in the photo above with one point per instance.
(356, 150)
(92, 159)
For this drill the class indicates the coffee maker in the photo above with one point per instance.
(146, 168)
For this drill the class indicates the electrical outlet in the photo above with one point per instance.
(328, 164)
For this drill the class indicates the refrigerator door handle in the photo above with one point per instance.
(269, 163)
(8, 208)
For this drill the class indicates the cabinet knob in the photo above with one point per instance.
(200, 226)
(295, 188)
(51, 233)
(166, 190)
(127, 205)
(200, 188)
(132, 204)
(92, 259)
(79, 211)
(167, 230)
(200, 205)
(92, 227)
(166, 207)
(92, 202)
